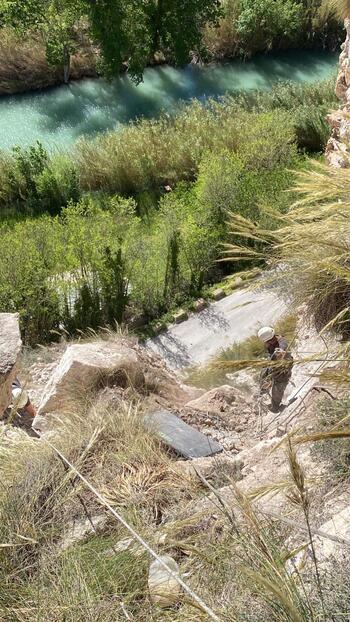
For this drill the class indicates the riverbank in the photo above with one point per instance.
(58, 117)
(24, 68)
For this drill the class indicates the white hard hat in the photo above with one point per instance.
(266, 333)
(20, 397)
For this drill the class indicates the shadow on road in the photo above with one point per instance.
(173, 350)
(213, 320)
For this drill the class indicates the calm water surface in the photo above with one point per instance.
(57, 117)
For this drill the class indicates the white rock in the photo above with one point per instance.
(83, 367)
(10, 347)
(78, 531)
(338, 525)
(164, 589)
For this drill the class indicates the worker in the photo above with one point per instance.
(278, 375)
(21, 411)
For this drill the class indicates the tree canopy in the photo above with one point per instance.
(128, 32)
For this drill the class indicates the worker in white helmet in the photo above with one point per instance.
(21, 411)
(278, 375)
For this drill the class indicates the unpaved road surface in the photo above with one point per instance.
(205, 334)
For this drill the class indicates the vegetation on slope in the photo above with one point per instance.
(78, 254)
(311, 242)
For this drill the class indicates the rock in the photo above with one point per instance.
(78, 531)
(217, 400)
(159, 327)
(85, 366)
(10, 348)
(200, 305)
(180, 316)
(163, 588)
(218, 294)
(237, 282)
(337, 150)
(339, 526)
(244, 381)
(217, 469)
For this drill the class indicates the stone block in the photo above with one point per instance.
(180, 316)
(218, 294)
(200, 305)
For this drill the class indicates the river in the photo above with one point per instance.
(58, 116)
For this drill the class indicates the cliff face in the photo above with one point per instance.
(338, 146)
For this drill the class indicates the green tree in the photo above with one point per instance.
(130, 32)
(53, 20)
(264, 24)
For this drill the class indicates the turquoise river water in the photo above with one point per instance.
(58, 116)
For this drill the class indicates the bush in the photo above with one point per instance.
(29, 255)
(251, 26)
(33, 183)
(263, 25)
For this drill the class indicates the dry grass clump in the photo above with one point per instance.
(23, 64)
(39, 499)
(311, 243)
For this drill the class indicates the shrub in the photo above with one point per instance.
(250, 26)
(266, 24)
(33, 183)
(96, 285)
(312, 245)
(29, 255)
(150, 154)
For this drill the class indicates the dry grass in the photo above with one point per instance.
(309, 251)
(23, 64)
(39, 499)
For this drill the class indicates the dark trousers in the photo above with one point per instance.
(279, 386)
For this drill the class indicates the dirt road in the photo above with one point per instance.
(223, 323)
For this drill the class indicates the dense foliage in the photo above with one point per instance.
(128, 32)
(131, 34)
(82, 260)
(251, 26)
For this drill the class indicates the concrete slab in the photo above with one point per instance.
(184, 439)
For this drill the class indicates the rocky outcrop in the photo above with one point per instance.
(338, 146)
(85, 367)
(10, 347)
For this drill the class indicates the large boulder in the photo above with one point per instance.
(85, 367)
(10, 348)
